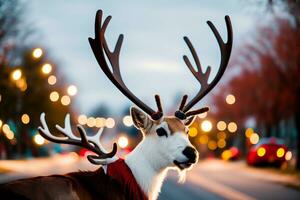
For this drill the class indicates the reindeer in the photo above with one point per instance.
(165, 143)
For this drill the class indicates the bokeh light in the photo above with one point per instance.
(65, 100)
(110, 122)
(254, 138)
(46, 68)
(261, 151)
(221, 143)
(25, 119)
(280, 152)
(206, 126)
(16, 74)
(37, 52)
(91, 122)
(249, 132)
(203, 139)
(193, 132)
(127, 121)
(212, 145)
(100, 122)
(72, 90)
(38, 139)
(288, 155)
(226, 155)
(221, 135)
(82, 119)
(230, 99)
(52, 80)
(123, 142)
(232, 127)
(54, 96)
(221, 125)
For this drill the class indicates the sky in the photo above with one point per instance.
(151, 56)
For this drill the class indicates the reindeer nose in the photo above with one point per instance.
(190, 153)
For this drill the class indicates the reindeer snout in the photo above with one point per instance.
(190, 153)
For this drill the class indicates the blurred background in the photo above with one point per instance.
(248, 142)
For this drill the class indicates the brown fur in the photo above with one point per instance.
(175, 125)
(78, 185)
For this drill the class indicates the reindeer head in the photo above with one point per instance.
(168, 134)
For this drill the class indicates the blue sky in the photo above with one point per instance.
(151, 57)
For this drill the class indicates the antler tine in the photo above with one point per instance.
(91, 143)
(97, 45)
(225, 49)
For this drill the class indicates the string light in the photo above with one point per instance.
(54, 96)
(127, 121)
(37, 52)
(72, 90)
(206, 126)
(25, 118)
(230, 99)
(16, 74)
(65, 100)
(46, 68)
(52, 80)
(109, 122)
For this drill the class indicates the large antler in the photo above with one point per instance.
(91, 143)
(202, 77)
(97, 45)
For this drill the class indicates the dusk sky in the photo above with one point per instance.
(151, 57)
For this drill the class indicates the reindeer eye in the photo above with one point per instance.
(161, 132)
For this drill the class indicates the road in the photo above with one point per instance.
(210, 179)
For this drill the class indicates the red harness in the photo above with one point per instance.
(122, 173)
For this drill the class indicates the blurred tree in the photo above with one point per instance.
(29, 93)
(268, 87)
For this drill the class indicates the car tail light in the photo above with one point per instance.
(280, 152)
(261, 151)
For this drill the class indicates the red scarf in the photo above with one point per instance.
(122, 173)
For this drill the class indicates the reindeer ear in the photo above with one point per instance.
(189, 121)
(140, 119)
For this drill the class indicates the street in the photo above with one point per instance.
(210, 179)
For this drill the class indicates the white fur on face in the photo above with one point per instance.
(172, 147)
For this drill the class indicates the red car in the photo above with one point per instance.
(269, 151)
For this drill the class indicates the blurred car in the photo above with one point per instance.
(268, 152)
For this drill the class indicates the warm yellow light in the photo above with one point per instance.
(100, 122)
(261, 151)
(25, 119)
(54, 96)
(65, 100)
(82, 119)
(288, 155)
(221, 125)
(52, 80)
(221, 143)
(254, 138)
(193, 132)
(221, 135)
(1, 123)
(206, 126)
(21, 84)
(38, 139)
(212, 145)
(226, 155)
(37, 52)
(109, 122)
(202, 115)
(91, 122)
(46, 68)
(123, 142)
(249, 132)
(5, 128)
(72, 90)
(230, 99)
(16, 74)
(10, 135)
(127, 121)
(280, 152)
(203, 139)
(232, 127)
